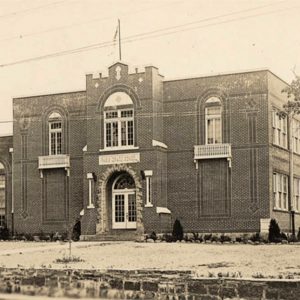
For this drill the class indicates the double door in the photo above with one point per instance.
(123, 209)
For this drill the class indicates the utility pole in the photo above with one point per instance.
(291, 169)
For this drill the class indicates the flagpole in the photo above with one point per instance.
(120, 56)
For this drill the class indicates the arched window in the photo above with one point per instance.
(213, 121)
(118, 121)
(2, 195)
(55, 133)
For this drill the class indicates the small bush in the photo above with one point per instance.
(256, 237)
(215, 238)
(4, 233)
(64, 236)
(298, 235)
(197, 237)
(29, 237)
(168, 238)
(153, 236)
(43, 237)
(225, 238)
(67, 259)
(274, 232)
(76, 231)
(207, 237)
(177, 232)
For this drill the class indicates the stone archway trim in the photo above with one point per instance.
(102, 218)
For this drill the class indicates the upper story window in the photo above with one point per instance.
(296, 136)
(213, 121)
(118, 121)
(55, 133)
(279, 129)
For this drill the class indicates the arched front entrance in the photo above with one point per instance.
(119, 204)
(123, 202)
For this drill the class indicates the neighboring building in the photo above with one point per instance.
(133, 152)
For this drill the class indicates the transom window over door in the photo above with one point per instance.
(118, 121)
(55, 134)
(213, 121)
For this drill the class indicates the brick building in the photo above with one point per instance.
(134, 151)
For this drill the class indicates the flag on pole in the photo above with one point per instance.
(116, 34)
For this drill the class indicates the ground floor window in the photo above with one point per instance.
(2, 199)
(148, 175)
(297, 194)
(280, 191)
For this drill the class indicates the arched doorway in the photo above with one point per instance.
(124, 214)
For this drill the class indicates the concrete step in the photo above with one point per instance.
(119, 235)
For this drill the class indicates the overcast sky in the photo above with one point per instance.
(189, 38)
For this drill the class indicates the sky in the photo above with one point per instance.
(183, 38)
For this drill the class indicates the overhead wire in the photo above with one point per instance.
(22, 36)
(28, 10)
(142, 36)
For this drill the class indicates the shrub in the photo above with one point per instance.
(4, 233)
(68, 259)
(207, 237)
(153, 236)
(76, 230)
(29, 237)
(283, 236)
(215, 238)
(255, 237)
(298, 235)
(225, 238)
(168, 238)
(177, 232)
(274, 232)
(197, 237)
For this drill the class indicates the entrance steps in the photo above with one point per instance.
(116, 235)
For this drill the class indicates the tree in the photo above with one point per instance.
(290, 109)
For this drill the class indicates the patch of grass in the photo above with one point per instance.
(258, 275)
(221, 264)
(68, 259)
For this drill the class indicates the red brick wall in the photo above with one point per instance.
(38, 201)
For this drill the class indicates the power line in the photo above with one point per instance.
(28, 10)
(143, 36)
(21, 36)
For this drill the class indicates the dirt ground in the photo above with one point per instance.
(278, 261)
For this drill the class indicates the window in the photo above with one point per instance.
(213, 121)
(119, 122)
(2, 196)
(148, 175)
(279, 129)
(90, 177)
(296, 136)
(296, 205)
(280, 191)
(55, 134)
